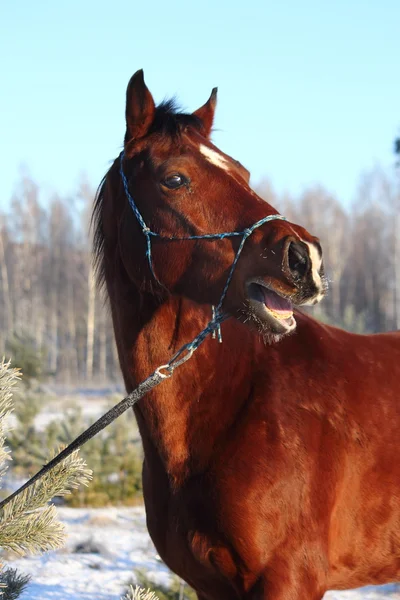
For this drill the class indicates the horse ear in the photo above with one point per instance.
(140, 107)
(206, 112)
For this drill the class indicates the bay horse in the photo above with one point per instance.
(271, 465)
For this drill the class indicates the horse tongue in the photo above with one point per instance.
(276, 304)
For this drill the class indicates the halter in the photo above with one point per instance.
(217, 316)
(164, 371)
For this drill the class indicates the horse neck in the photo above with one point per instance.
(183, 418)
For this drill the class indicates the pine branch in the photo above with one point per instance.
(12, 584)
(25, 526)
(68, 475)
(33, 533)
(139, 593)
(8, 379)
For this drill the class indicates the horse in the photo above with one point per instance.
(271, 465)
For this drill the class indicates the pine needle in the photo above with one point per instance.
(139, 593)
(8, 379)
(25, 526)
(12, 584)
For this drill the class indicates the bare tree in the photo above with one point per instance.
(47, 285)
(7, 324)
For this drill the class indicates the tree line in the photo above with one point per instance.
(47, 285)
(50, 302)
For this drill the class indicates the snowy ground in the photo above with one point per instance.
(119, 535)
(122, 543)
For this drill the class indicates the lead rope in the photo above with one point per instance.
(160, 374)
(163, 371)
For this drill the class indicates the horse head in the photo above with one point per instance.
(189, 194)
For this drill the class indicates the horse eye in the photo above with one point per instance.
(175, 181)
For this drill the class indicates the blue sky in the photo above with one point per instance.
(308, 91)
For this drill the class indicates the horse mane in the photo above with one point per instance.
(169, 120)
(96, 227)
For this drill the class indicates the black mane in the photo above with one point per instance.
(170, 120)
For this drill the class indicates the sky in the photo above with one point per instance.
(308, 91)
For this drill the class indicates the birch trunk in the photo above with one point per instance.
(8, 321)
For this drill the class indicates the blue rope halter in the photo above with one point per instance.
(164, 371)
(217, 316)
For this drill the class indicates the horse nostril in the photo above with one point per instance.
(298, 259)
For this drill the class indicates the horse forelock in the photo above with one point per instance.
(170, 120)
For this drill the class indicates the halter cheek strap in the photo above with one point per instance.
(217, 316)
(164, 371)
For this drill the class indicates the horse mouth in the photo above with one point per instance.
(270, 308)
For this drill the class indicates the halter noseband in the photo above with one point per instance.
(164, 371)
(217, 316)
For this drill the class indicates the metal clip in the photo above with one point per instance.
(163, 375)
(176, 361)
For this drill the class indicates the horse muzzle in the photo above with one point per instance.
(271, 300)
(303, 266)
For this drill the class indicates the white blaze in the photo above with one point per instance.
(213, 157)
(316, 261)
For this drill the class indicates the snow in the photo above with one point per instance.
(123, 545)
(118, 536)
(388, 592)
